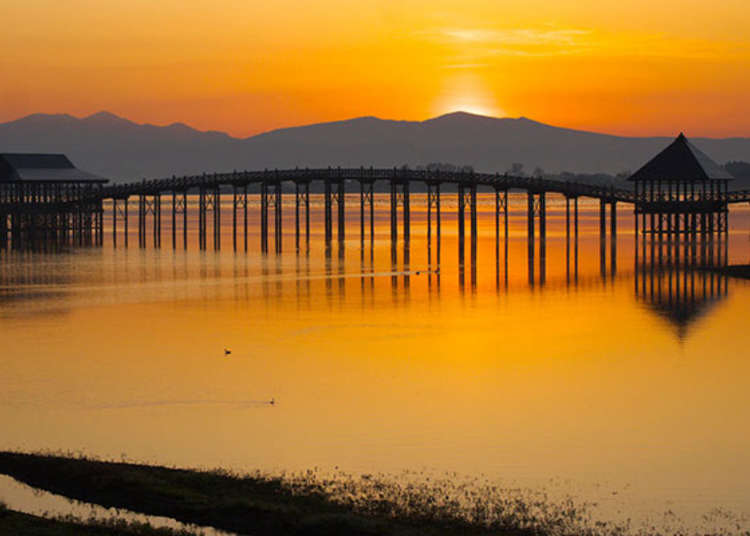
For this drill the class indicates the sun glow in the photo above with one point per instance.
(467, 93)
(591, 65)
(470, 107)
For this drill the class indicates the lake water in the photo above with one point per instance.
(571, 387)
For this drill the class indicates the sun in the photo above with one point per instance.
(476, 109)
(467, 93)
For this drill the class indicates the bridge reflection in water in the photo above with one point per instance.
(675, 274)
(681, 277)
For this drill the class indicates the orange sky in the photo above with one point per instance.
(634, 67)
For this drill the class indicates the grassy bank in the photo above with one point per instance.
(244, 504)
(15, 523)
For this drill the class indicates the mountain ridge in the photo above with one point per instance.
(118, 148)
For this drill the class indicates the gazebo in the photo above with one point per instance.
(38, 200)
(681, 191)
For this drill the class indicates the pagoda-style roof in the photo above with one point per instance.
(681, 161)
(34, 167)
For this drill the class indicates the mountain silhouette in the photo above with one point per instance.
(117, 148)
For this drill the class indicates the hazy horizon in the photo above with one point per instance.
(177, 122)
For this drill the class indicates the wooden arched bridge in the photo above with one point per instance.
(269, 185)
(74, 213)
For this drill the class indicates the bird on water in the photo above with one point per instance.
(272, 402)
(227, 351)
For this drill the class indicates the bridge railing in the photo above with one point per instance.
(241, 178)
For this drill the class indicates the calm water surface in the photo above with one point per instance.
(575, 388)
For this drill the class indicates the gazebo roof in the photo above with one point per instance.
(681, 161)
(42, 167)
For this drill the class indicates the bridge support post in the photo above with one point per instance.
(307, 215)
(407, 215)
(77, 229)
(613, 237)
(100, 221)
(157, 220)
(602, 236)
(93, 225)
(567, 239)
(64, 228)
(683, 231)
(711, 239)
(394, 220)
(637, 237)
(140, 217)
(174, 219)
(244, 214)
(264, 216)
(693, 237)
(368, 188)
(430, 202)
(542, 237)
(506, 209)
(202, 218)
(644, 222)
(669, 216)
(362, 217)
(407, 230)
(371, 201)
(277, 230)
(234, 217)
(341, 199)
(473, 223)
(114, 222)
(461, 225)
(296, 216)
(438, 222)
(3, 231)
(497, 234)
(703, 236)
(124, 220)
(217, 218)
(184, 220)
(530, 238)
(141, 220)
(328, 216)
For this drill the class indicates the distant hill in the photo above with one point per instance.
(123, 150)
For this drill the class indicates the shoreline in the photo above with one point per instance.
(13, 523)
(249, 504)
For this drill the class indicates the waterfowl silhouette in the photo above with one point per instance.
(227, 351)
(272, 402)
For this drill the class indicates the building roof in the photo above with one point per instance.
(42, 167)
(681, 161)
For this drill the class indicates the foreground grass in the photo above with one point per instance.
(305, 504)
(15, 523)
(246, 505)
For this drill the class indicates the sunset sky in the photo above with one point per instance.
(635, 67)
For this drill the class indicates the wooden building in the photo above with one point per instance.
(40, 201)
(681, 191)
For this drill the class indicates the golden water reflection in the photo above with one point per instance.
(577, 387)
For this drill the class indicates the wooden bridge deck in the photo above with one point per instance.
(335, 175)
(37, 213)
(367, 175)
